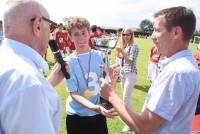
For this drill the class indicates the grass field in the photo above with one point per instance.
(139, 92)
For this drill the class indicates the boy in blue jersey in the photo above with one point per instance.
(84, 114)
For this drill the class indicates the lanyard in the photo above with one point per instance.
(86, 80)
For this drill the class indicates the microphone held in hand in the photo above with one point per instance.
(59, 58)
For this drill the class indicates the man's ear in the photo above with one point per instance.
(37, 26)
(177, 31)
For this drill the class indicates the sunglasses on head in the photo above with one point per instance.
(52, 25)
(128, 34)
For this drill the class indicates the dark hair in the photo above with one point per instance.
(120, 30)
(98, 27)
(179, 16)
(60, 25)
(94, 28)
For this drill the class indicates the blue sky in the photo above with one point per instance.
(113, 13)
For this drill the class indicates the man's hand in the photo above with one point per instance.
(108, 88)
(56, 75)
(114, 71)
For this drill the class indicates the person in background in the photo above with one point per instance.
(95, 32)
(170, 104)
(197, 56)
(61, 38)
(28, 102)
(84, 114)
(69, 44)
(154, 58)
(1, 32)
(119, 56)
(119, 32)
(129, 52)
(51, 37)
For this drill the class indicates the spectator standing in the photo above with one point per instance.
(154, 58)
(129, 52)
(1, 32)
(61, 38)
(95, 32)
(69, 44)
(197, 56)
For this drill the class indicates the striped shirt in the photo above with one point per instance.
(132, 53)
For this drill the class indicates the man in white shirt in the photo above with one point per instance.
(28, 102)
(172, 98)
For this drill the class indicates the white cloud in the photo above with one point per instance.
(116, 13)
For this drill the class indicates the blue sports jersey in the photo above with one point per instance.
(79, 67)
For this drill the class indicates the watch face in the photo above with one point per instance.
(108, 42)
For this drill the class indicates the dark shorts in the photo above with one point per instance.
(86, 124)
(198, 107)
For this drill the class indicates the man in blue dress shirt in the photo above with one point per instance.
(171, 101)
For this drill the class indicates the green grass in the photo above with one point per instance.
(139, 92)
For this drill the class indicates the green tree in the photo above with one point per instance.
(196, 33)
(146, 26)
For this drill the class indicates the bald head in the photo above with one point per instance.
(18, 14)
(22, 21)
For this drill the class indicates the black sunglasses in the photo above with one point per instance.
(53, 24)
(128, 34)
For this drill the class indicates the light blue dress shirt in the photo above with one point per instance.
(28, 103)
(174, 93)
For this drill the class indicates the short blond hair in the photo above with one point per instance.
(76, 21)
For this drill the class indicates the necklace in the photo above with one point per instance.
(82, 71)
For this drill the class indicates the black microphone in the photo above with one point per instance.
(58, 56)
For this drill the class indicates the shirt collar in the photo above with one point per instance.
(26, 51)
(163, 63)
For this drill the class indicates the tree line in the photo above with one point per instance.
(146, 26)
